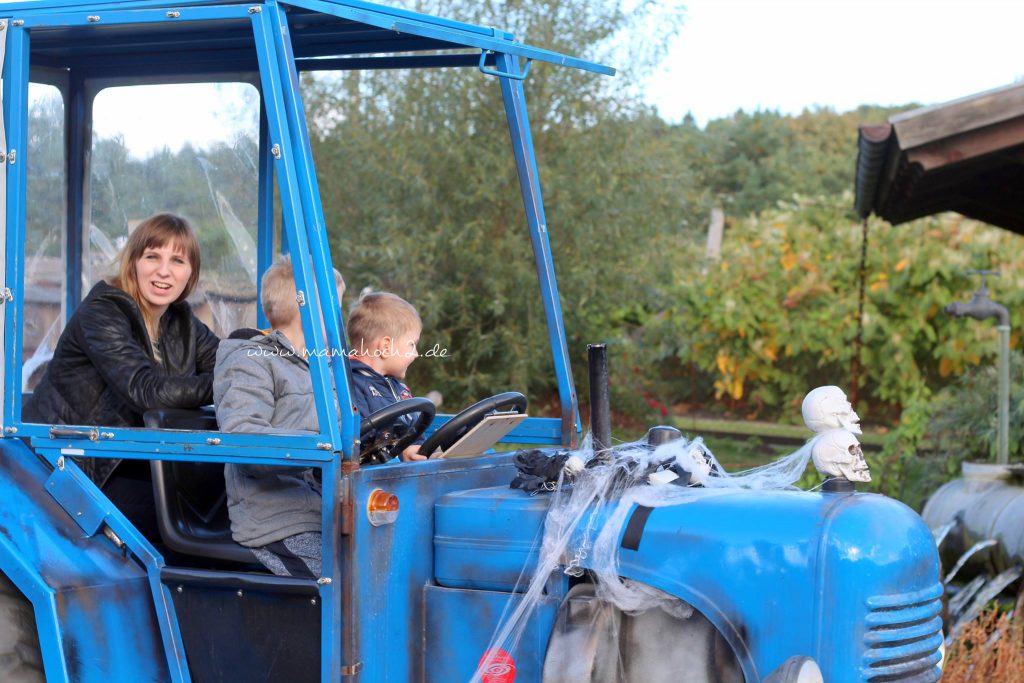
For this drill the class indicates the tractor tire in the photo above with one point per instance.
(594, 642)
(20, 658)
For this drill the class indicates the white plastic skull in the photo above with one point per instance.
(827, 408)
(837, 453)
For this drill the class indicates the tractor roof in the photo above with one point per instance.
(87, 35)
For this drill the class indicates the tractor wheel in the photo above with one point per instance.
(20, 658)
(594, 642)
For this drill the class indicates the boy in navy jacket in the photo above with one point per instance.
(383, 329)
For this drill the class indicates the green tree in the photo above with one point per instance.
(421, 198)
(44, 215)
(776, 315)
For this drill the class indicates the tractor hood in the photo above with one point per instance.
(764, 566)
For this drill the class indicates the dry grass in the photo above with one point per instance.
(989, 650)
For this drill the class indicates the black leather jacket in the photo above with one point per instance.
(103, 371)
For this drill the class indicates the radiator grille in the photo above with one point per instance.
(904, 634)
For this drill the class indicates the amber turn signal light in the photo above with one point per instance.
(381, 507)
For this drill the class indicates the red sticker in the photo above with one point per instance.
(498, 667)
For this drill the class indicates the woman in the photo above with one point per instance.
(133, 345)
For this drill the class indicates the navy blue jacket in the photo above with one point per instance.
(372, 391)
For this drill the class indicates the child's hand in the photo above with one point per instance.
(412, 453)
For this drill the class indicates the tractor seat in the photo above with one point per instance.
(191, 499)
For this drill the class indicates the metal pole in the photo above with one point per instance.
(858, 339)
(980, 307)
(1003, 452)
(529, 184)
(600, 409)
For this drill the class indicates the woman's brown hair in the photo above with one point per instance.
(152, 233)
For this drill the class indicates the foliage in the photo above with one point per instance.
(958, 423)
(213, 186)
(748, 162)
(778, 313)
(45, 177)
(433, 197)
(127, 188)
(432, 208)
(990, 648)
(964, 420)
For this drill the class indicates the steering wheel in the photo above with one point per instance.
(453, 430)
(391, 437)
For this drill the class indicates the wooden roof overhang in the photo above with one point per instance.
(965, 156)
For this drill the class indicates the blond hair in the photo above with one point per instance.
(380, 314)
(155, 232)
(278, 292)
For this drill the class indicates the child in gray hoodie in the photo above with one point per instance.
(263, 385)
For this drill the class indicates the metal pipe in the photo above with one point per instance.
(980, 307)
(600, 409)
(1003, 450)
(514, 96)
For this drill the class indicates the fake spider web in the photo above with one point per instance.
(589, 509)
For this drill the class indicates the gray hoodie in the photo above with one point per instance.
(261, 385)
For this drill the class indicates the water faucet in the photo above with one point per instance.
(981, 305)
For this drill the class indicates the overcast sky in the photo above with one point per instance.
(734, 54)
(790, 54)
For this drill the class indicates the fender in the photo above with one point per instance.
(720, 615)
(784, 573)
(744, 560)
(94, 607)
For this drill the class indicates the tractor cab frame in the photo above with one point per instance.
(82, 49)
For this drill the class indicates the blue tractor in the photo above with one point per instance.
(420, 559)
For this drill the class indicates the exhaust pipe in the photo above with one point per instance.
(600, 410)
